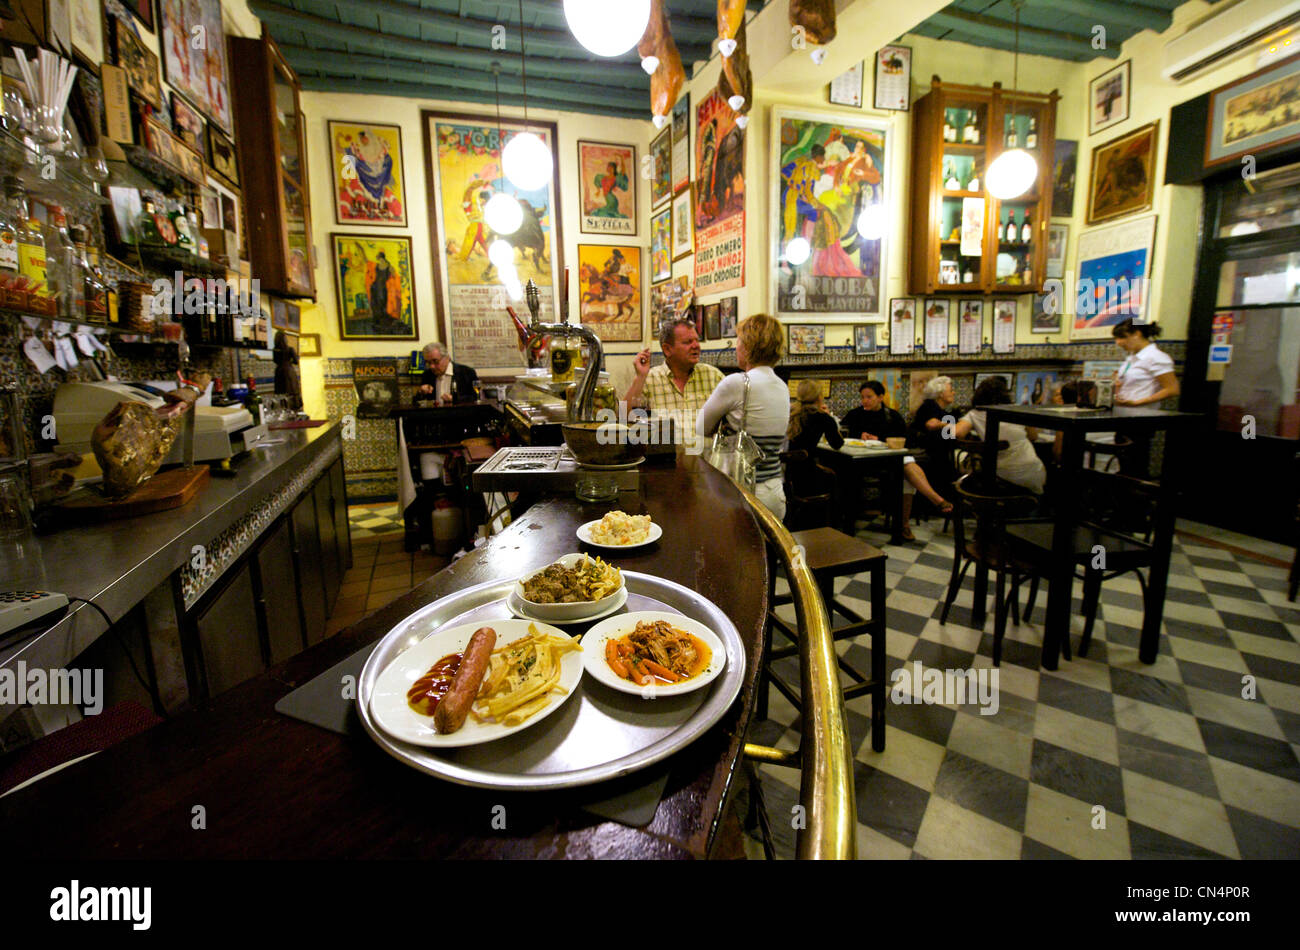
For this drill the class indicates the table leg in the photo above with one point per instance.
(1162, 542)
(979, 602)
(1060, 573)
(878, 653)
(989, 468)
(896, 500)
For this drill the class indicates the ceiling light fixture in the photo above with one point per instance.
(607, 32)
(1014, 171)
(797, 251)
(526, 160)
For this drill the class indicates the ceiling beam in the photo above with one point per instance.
(1032, 39)
(1109, 12)
(323, 63)
(432, 52)
(453, 93)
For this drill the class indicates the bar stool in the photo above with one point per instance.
(830, 554)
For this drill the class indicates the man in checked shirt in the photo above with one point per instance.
(678, 387)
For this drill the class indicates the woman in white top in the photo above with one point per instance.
(1018, 463)
(759, 344)
(1147, 376)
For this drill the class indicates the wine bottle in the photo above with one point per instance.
(1011, 132)
(1026, 230)
(971, 135)
(1031, 140)
(949, 133)
(9, 229)
(1012, 231)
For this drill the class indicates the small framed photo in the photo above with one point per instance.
(1108, 98)
(683, 224)
(894, 78)
(661, 150)
(189, 125)
(293, 314)
(661, 238)
(1058, 237)
(713, 321)
(140, 63)
(1047, 314)
(864, 339)
(221, 156)
(902, 325)
(729, 307)
(970, 327)
(938, 313)
(309, 344)
(279, 314)
(807, 339)
(846, 88)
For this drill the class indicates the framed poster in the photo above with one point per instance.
(463, 170)
(369, 173)
(194, 55)
(827, 171)
(87, 24)
(229, 211)
(1065, 166)
(607, 173)
(1046, 315)
(189, 125)
(970, 327)
(1113, 266)
(1035, 389)
(902, 325)
(376, 287)
(937, 314)
(1254, 113)
(142, 10)
(661, 251)
(719, 192)
(279, 314)
(1004, 325)
(221, 156)
(713, 321)
(609, 291)
(140, 63)
(683, 225)
(1058, 239)
(728, 309)
(1123, 175)
(807, 339)
(864, 339)
(893, 89)
(661, 150)
(293, 316)
(1108, 98)
(309, 344)
(681, 163)
(377, 389)
(846, 88)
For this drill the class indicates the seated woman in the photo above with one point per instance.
(926, 432)
(873, 419)
(810, 421)
(1018, 463)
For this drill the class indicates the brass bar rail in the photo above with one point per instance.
(826, 770)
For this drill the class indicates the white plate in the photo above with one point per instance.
(393, 714)
(519, 607)
(564, 613)
(584, 535)
(593, 653)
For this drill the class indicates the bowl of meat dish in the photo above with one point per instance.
(575, 587)
(603, 443)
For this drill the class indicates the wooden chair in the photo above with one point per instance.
(809, 491)
(829, 554)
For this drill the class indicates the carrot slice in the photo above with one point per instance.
(612, 658)
(661, 671)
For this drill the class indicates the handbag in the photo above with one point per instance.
(736, 454)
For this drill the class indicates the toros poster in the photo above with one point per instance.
(828, 173)
(719, 198)
(464, 171)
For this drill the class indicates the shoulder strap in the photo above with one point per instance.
(744, 405)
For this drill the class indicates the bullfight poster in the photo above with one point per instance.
(463, 170)
(609, 290)
(719, 198)
(830, 174)
(369, 186)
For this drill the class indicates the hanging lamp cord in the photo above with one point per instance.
(1015, 75)
(523, 60)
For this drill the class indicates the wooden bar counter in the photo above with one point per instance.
(274, 787)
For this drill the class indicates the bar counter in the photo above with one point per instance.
(118, 563)
(275, 787)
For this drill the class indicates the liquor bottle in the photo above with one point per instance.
(971, 134)
(9, 228)
(200, 242)
(64, 266)
(949, 133)
(219, 397)
(1026, 272)
(1011, 132)
(181, 225)
(31, 261)
(1012, 231)
(253, 402)
(1031, 140)
(94, 303)
(148, 225)
(1026, 230)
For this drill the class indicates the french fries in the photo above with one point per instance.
(521, 677)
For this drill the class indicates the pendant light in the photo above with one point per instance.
(526, 161)
(502, 212)
(1014, 171)
(797, 251)
(871, 223)
(607, 32)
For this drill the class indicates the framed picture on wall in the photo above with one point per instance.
(608, 176)
(902, 325)
(864, 339)
(661, 150)
(1058, 238)
(682, 143)
(683, 225)
(728, 308)
(376, 287)
(279, 314)
(1113, 265)
(197, 70)
(189, 125)
(713, 321)
(369, 173)
(140, 63)
(609, 288)
(1065, 168)
(87, 24)
(661, 239)
(846, 88)
(1123, 175)
(309, 344)
(807, 339)
(970, 326)
(1254, 113)
(293, 315)
(938, 314)
(1046, 316)
(1108, 98)
(221, 156)
(142, 10)
(894, 78)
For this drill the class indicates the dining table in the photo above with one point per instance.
(1076, 423)
(857, 460)
(273, 786)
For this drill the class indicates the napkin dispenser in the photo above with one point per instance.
(1096, 394)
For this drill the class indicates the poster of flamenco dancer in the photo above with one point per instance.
(463, 172)
(609, 291)
(369, 174)
(719, 198)
(829, 170)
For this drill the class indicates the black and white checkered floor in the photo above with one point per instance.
(1106, 757)
(371, 520)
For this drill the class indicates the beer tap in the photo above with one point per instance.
(584, 406)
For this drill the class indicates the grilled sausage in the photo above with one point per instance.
(454, 707)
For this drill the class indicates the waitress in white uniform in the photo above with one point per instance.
(1146, 378)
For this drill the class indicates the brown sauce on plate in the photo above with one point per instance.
(429, 689)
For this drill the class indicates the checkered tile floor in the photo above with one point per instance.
(368, 521)
(1181, 765)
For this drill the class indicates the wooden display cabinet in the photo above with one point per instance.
(273, 167)
(957, 132)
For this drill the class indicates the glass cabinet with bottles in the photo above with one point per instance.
(273, 166)
(963, 239)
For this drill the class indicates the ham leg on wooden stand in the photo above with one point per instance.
(731, 17)
(666, 74)
(816, 20)
(736, 83)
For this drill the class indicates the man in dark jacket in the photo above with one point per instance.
(873, 419)
(444, 381)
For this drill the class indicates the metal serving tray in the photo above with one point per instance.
(599, 733)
